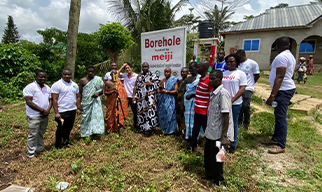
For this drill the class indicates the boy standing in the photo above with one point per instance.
(219, 127)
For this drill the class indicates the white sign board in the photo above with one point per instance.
(164, 48)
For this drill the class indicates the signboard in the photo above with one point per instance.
(164, 48)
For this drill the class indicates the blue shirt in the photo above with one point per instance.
(221, 66)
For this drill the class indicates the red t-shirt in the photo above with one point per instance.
(202, 96)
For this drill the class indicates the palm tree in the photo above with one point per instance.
(143, 16)
(219, 17)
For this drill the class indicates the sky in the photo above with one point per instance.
(32, 15)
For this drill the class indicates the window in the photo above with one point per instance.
(307, 46)
(251, 45)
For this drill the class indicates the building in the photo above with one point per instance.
(257, 36)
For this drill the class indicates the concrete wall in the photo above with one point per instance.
(267, 38)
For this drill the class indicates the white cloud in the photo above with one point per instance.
(32, 15)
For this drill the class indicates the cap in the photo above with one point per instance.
(311, 55)
(303, 58)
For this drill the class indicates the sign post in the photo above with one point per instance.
(164, 48)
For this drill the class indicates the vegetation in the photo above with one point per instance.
(130, 161)
(114, 38)
(11, 34)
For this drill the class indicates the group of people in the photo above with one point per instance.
(305, 68)
(211, 104)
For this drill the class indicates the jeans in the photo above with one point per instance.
(199, 120)
(283, 101)
(244, 115)
(35, 141)
(134, 111)
(63, 130)
(236, 110)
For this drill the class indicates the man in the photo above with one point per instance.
(220, 63)
(108, 77)
(251, 69)
(201, 104)
(179, 99)
(90, 88)
(144, 94)
(166, 105)
(283, 89)
(65, 103)
(116, 104)
(220, 127)
(38, 105)
(129, 83)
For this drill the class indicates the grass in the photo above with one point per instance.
(132, 162)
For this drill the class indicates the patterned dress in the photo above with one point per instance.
(189, 105)
(167, 108)
(146, 97)
(114, 118)
(92, 117)
(180, 113)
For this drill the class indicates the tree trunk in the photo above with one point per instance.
(72, 33)
(113, 56)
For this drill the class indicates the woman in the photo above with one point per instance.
(129, 83)
(189, 104)
(301, 70)
(310, 67)
(234, 81)
(167, 103)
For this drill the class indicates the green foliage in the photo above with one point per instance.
(281, 5)
(15, 59)
(77, 165)
(298, 173)
(114, 37)
(190, 161)
(11, 34)
(53, 36)
(263, 123)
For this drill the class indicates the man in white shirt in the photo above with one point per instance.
(283, 89)
(108, 77)
(38, 105)
(251, 69)
(65, 103)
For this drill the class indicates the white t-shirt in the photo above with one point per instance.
(129, 83)
(250, 68)
(109, 78)
(232, 80)
(66, 95)
(284, 59)
(40, 96)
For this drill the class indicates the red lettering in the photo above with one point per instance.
(178, 41)
(164, 42)
(146, 43)
(167, 56)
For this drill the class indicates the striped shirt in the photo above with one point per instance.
(202, 96)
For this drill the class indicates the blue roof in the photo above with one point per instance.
(287, 17)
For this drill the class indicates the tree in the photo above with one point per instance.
(219, 17)
(187, 20)
(53, 36)
(281, 5)
(114, 38)
(11, 34)
(246, 17)
(72, 34)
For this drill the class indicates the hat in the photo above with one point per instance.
(311, 55)
(303, 58)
